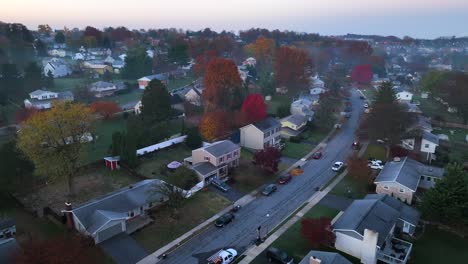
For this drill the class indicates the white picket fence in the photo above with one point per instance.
(161, 145)
(194, 189)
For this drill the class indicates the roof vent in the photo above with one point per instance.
(130, 187)
(396, 159)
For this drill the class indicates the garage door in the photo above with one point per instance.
(109, 232)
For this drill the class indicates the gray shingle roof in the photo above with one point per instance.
(407, 213)
(325, 257)
(369, 214)
(430, 137)
(204, 168)
(267, 124)
(101, 84)
(295, 119)
(161, 77)
(220, 148)
(115, 205)
(407, 172)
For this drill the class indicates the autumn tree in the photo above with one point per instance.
(201, 62)
(223, 86)
(105, 109)
(291, 67)
(263, 49)
(387, 119)
(254, 108)
(53, 140)
(268, 159)
(318, 231)
(24, 114)
(156, 102)
(213, 125)
(362, 74)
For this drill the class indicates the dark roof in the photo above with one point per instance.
(267, 124)
(325, 257)
(369, 214)
(407, 172)
(175, 99)
(220, 148)
(6, 223)
(204, 168)
(407, 213)
(160, 76)
(7, 251)
(430, 137)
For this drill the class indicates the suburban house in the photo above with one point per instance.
(118, 65)
(323, 257)
(124, 210)
(144, 81)
(98, 67)
(79, 56)
(42, 99)
(293, 125)
(265, 133)
(250, 62)
(303, 106)
(214, 160)
(422, 141)
(194, 96)
(243, 72)
(8, 244)
(367, 227)
(403, 95)
(57, 68)
(57, 53)
(317, 86)
(102, 89)
(401, 178)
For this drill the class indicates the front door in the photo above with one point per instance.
(406, 227)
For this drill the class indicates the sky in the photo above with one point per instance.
(415, 18)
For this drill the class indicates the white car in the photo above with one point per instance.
(366, 106)
(375, 164)
(367, 111)
(337, 166)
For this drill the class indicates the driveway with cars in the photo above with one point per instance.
(123, 249)
(266, 212)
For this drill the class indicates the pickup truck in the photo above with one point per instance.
(224, 256)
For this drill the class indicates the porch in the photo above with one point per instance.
(395, 251)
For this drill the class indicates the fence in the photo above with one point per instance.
(448, 124)
(194, 189)
(161, 145)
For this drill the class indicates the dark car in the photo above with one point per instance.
(224, 219)
(269, 189)
(356, 145)
(284, 179)
(220, 185)
(278, 255)
(317, 155)
(362, 97)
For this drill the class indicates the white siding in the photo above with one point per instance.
(251, 137)
(348, 244)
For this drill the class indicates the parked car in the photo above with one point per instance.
(366, 105)
(284, 179)
(269, 189)
(366, 110)
(317, 155)
(375, 164)
(356, 145)
(223, 256)
(224, 220)
(362, 97)
(220, 185)
(337, 166)
(278, 255)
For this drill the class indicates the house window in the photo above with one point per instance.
(235, 154)
(426, 145)
(422, 177)
(402, 190)
(267, 134)
(132, 214)
(221, 159)
(207, 158)
(385, 187)
(428, 178)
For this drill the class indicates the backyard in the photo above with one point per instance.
(437, 111)
(293, 242)
(277, 100)
(151, 165)
(458, 135)
(178, 83)
(197, 209)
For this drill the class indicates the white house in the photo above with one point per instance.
(250, 62)
(265, 133)
(404, 96)
(57, 68)
(303, 106)
(102, 89)
(194, 96)
(57, 53)
(79, 56)
(42, 99)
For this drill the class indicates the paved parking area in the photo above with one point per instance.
(232, 194)
(123, 249)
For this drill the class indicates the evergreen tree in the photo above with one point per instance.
(137, 64)
(193, 139)
(33, 77)
(59, 38)
(14, 166)
(156, 102)
(129, 148)
(116, 147)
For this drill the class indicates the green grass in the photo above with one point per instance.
(375, 151)
(177, 83)
(103, 129)
(438, 246)
(165, 229)
(293, 242)
(133, 96)
(149, 166)
(67, 84)
(458, 135)
(436, 110)
(277, 100)
(351, 187)
(297, 150)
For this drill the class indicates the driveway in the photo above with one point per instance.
(232, 194)
(336, 202)
(123, 249)
(268, 212)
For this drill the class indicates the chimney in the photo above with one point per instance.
(69, 215)
(369, 247)
(314, 260)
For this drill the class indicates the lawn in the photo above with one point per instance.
(277, 100)
(150, 165)
(297, 150)
(99, 149)
(165, 229)
(457, 136)
(178, 83)
(375, 151)
(125, 100)
(67, 84)
(292, 240)
(436, 110)
(437, 246)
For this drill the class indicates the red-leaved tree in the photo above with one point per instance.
(105, 109)
(222, 86)
(318, 231)
(362, 74)
(24, 114)
(254, 108)
(268, 159)
(291, 67)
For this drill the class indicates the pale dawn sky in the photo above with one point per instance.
(417, 18)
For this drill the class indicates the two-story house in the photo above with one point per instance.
(419, 138)
(293, 125)
(144, 81)
(42, 99)
(401, 178)
(215, 160)
(265, 133)
(366, 229)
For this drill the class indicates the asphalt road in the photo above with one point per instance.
(268, 212)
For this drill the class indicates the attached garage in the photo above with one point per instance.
(112, 229)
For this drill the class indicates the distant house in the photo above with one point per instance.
(265, 133)
(57, 53)
(419, 138)
(366, 229)
(303, 106)
(401, 179)
(293, 125)
(118, 65)
(42, 99)
(144, 81)
(102, 89)
(194, 96)
(215, 160)
(249, 62)
(98, 67)
(404, 96)
(57, 68)
(79, 56)
(323, 257)
(8, 244)
(122, 211)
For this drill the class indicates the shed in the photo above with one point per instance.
(112, 162)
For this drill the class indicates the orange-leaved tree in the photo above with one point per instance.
(104, 109)
(214, 125)
(292, 67)
(263, 49)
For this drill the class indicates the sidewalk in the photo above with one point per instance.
(254, 251)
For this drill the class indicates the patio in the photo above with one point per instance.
(395, 251)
